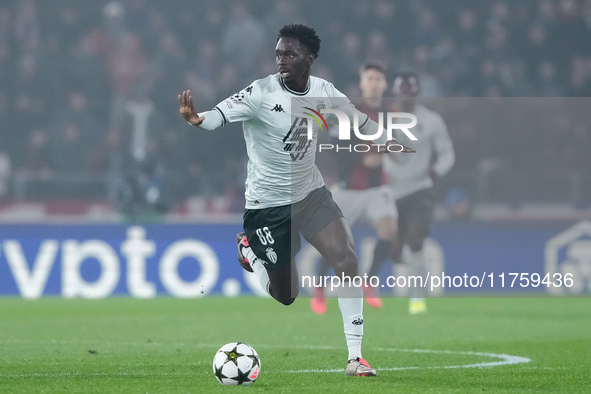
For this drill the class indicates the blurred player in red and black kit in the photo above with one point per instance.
(362, 192)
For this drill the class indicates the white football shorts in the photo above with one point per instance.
(365, 206)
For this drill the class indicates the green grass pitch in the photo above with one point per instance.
(166, 345)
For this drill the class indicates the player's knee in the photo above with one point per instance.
(285, 297)
(396, 251)
(347, 263)
(416, 237)
(387, 230)
(388, 234)
(287, 301)
(415, 244)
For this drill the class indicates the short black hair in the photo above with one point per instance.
(372, 66)
(304, 34)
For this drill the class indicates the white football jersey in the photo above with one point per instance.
(281, 166)
(409, 173)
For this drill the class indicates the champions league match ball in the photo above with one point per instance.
(236, 363)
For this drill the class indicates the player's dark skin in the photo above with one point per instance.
(334, 241)
(293, 63)
(406, 89)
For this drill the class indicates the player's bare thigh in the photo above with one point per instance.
(335, 243)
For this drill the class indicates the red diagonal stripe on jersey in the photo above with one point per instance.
(321, 117)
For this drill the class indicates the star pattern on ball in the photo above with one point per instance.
(255, 359)
(233, 355)
(242, 377)
(218, 372)
(243, 372)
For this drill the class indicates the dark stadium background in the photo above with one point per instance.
(105, 192)
(90, 131)
(70, 70)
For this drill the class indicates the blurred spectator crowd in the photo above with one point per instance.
(88, 88)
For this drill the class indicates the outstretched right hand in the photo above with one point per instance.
(187, 110)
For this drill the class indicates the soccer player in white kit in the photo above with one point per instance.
(412, 178)
(285, 193)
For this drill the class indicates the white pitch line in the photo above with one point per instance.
(506, 359)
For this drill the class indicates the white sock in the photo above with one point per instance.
(352, 311)
(257, 266)
(418, 267)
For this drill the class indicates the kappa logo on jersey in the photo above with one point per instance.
(271, 255)
(238, 96)
(357, 322)
(277, 108)
(248, 89)
(296, 140)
